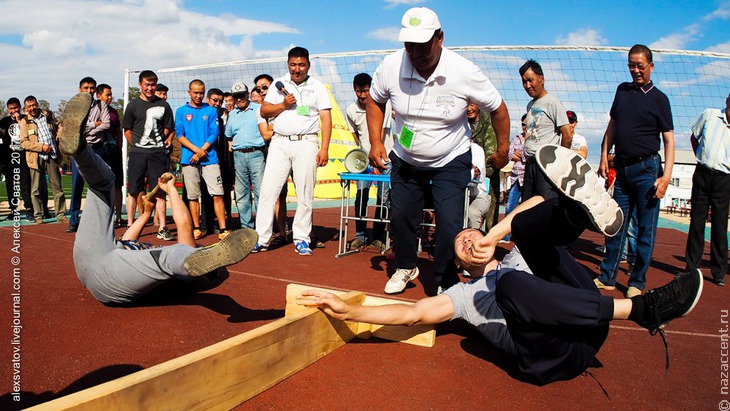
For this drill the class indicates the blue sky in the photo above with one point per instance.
(356, 25)
(48, 47)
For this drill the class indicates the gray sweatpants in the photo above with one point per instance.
(111, 273)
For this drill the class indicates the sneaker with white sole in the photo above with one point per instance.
(259, 248)
(400, 279)
(165, 234)
(231, 250)
(302, 248)
(74, 117)
(573, 176)
(673, 300)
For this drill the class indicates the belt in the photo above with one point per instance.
(710, 171)
(633, 160)
(296, 137)
(248, 150)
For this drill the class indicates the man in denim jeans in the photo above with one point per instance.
(246, 130)
(639, 115)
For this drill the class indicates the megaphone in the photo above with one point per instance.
(356, 161)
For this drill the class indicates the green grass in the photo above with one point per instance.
(65, 184)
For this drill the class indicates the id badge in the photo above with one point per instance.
(303, 111)
(406, 137)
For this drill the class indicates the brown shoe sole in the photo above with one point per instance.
(74, 123)
(231, 250)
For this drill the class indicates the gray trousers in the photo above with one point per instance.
(111, 273)
(38, 179)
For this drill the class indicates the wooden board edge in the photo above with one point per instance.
(222, 375)
(420, 335)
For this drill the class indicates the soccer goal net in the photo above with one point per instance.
(583, 78)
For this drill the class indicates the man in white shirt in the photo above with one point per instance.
(579, 144)
(299, 104)
(479, 200)
(357, 122)
(429, 88)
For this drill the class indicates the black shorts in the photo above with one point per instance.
(150, 164)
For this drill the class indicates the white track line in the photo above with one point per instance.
(285, 280)
(691, 334)
(288, 281)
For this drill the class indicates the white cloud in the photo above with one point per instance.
(582, 37)
(720, 48)
(53, 43)
(70, 39)
(679, 40)
(387, 34)
(693, 32)
(722, 12)
(395, 3)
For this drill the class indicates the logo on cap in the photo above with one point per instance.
(414, 21)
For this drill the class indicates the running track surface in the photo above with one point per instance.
(70, 341)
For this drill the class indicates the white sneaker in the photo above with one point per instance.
(574, 177)
(400, 279)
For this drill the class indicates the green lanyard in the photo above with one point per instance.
(299, 91)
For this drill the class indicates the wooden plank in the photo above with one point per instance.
(223, 375)
(421, 335)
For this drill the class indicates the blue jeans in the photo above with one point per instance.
(249, 172)
(513, 200)
(629, 250)
(634, 192)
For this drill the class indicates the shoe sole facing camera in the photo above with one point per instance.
(230, 250)
(574, 177)
(74, 122)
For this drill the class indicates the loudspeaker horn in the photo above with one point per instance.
(356, 161)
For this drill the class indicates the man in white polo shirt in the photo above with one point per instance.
(299, 104)
(429, 88)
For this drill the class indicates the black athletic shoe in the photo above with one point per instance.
(74, 123)
(573, 176)
(230, 250)
(673, 300)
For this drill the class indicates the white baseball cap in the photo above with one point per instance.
(419, 23)
(238, 88)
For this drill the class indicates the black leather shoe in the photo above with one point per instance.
(72, 228)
